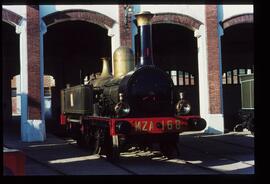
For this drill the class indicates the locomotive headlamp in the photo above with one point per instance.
(182, 107)
(121, 109)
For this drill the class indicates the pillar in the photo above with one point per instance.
(21, 29)
(115, 40)
(200, 34)
(32, 122)
(125, 27)
(215, 118)
(18, 91)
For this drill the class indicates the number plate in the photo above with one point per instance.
(157, 125)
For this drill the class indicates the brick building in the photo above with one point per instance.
(203, 47)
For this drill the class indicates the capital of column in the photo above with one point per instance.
(21, 27)
(110, 32)
(43, 27)
(113, 30)
(220, 29)
(199, 32)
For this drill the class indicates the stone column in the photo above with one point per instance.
(18, 97)
(21, 29)
(114, 33)
(200, 34)
(43, 30)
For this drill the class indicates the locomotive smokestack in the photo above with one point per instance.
(145, 32)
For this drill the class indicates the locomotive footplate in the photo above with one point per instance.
(153, 125)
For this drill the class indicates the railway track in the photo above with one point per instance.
(220, 155)
(230, 143)
(152, 162)
(46, 165)
(119, 166)
(175, 160)
(124, 164)
(214, 155)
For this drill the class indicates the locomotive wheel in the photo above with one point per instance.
(93, 140)
(112, 148)
(77, 135)
(251, 126)
(170, 150)
(238, 128)
(169, 146)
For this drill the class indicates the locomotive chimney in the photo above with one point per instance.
(105, 68)
(145, 33)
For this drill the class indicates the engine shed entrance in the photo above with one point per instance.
(10, 65)
(72, 50)
(237, 59)
(175, 51)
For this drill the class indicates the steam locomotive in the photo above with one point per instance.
(136, 107)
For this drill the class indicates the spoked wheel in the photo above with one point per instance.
(112, 148)
(91, 140)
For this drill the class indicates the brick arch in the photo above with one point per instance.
(11, 17)
(175, 18)
(238, 19)
(83, 15)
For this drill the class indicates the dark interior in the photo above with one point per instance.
(73, 50)
(175, 48)
(238, 55)
(10, 65)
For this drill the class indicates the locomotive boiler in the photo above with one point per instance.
(137, 106)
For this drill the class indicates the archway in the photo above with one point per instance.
(237, 59)
(175, 51)
(10, 65)
(72, 50)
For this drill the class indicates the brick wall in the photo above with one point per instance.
(33, 52)
(125, 30)
(83, 15)
(9, 16)
(213, 59)
(246, 18)
(174, 18)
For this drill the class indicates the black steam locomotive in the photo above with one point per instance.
(137, 106)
